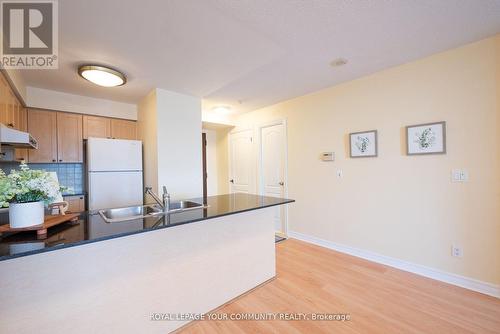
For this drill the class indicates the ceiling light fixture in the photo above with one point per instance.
(338, 62)
(223, 110)
(102, 76)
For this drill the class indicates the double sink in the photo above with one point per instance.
(143, 211)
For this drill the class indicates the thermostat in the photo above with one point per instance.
(328, 156)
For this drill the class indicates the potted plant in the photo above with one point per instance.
(26, 192)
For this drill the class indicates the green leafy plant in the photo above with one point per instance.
(27, 185)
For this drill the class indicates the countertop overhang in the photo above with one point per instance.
(92, 228)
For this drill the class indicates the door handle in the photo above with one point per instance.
(232, 181)
(281, 183)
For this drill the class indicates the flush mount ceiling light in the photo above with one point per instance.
(338, 62)
(102, 76)
(223, 110)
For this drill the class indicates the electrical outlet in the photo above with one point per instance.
(456, 251)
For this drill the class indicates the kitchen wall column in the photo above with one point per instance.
(169, 124)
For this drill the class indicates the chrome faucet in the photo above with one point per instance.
(164, 202)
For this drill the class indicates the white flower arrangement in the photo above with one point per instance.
(28, 185)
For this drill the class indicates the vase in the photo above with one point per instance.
(23, 215)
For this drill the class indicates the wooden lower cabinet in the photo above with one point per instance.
(75, 203)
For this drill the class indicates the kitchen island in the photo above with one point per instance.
(93, 276)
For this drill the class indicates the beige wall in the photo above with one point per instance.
(179, 144)
(402, 206)
(147, 132)
(170, 128)
(54, 100)
(17, 82)
(211, 159)
(222, 152)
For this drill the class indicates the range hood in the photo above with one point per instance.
(15, 138)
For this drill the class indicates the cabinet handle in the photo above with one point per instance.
(60, 160)
(232, 181)
(281, 183)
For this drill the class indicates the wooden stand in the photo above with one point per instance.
(41, 230)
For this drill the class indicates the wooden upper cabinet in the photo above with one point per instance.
(21, 154)
(42, 125)
(8, 104)
(95, 126)
(69, 137)
(3, 100)
(123, 129)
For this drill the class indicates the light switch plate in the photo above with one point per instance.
(459, 175)
(328, 156)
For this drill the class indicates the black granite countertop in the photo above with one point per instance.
(92, 228)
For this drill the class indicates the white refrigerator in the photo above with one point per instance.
(114, 176)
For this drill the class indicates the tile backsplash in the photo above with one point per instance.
(69, 175)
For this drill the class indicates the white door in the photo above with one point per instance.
(242, 162)
(273, 169)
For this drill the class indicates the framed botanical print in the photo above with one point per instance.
(363, 144)
(427, 138)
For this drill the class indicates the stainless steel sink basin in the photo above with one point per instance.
(130, 213)
(184, 206)
(138, 212)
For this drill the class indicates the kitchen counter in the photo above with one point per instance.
(92, 228)
(119, 274)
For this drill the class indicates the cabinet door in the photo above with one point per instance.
(123, 129)
(7, 99)
(94, 126)
(16, 106)
(75, 203)
(22, 153)
(42, 126)
(69, 137)
(8, 118)
(3, 100)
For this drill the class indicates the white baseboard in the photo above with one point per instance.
(464, 282)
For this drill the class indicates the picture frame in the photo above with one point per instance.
(363, 144)
(427, 138)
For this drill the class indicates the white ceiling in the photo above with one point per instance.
(252, 53)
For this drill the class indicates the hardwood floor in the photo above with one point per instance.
(379, 299)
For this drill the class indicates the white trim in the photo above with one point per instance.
(258, 144)
(454, 279)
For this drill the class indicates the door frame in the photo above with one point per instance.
(259, 159)
(254, 186)
(204, 164)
